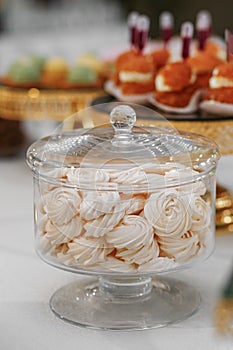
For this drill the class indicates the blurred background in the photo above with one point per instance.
(46, 15)
(183, 10)
(68, 29)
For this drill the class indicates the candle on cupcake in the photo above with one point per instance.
(186, 34)
(203, 28)
(142, 27)
(166, 25)
(132, 22)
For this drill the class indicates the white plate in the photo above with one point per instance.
(218, 108)
(113, 90)
(192, 107)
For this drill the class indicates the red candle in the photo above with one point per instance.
(207, 16)
(143, 25)
(229, 45)
(132, 23)
(166, 24)
(203, 28)
(186, 35)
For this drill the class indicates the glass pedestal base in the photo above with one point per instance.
(125, 304)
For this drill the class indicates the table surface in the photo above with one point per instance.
(27, 283)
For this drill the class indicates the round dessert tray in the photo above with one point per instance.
(219, 128)
(43, 104)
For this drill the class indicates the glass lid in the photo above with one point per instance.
(130, 138)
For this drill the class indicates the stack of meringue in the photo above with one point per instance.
(147, 228)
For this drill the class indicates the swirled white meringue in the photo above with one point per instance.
(197, 187)
(141, 255)
(137, 176)
(161, 169)
(201, 214)
(63, 233)
(45, 246)
(133, 232)
(96, 204)
(42, 222)
(88, 251)
(54, 174)
(61, 204)
(181, 249)
(207, 239)
(169, 212)
(131, 176)
(105, 223)
(79, 176)
(158, 265)
(136, 205)
(116, 265)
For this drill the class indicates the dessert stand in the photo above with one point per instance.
(38, 111)
(11, 137)
(218, 128)
(41, 104)
(123, 295)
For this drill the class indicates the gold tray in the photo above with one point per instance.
(44, 104)
(218, 128)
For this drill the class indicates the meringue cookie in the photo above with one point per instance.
(42, 222)
(131, 176)
(161, 169)
(95, 204)
(65, 259)
(158, 265)
(100, 226)
(136, 205)
(141, 255)
(116, 265)
(54, 174)
(201, 214)
(169, 213)
(137, 176)
(79, 176)
(206, 238)
(198, 187)
(45, 246)
(64, 233)
(133, 232)
(61, 204)
(181, 249)
(88, 251)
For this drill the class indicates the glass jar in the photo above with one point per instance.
(126, 204)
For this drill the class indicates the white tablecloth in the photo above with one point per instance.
(26, 284)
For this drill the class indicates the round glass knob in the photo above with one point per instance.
(122, 118)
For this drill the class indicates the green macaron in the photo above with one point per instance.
(81, 74)
(24, 71)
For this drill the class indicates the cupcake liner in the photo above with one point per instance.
(217, 108)
(193, 105)
(113, 90)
